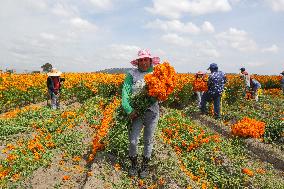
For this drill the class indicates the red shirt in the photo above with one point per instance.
(56, 83)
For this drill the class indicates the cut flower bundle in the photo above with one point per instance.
(161, 82)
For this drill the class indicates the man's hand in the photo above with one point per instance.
(133, 115)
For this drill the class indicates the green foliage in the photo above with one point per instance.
(142, 102)
(46, 67)
(117, 138)
(108, 90)
(271, 84)
(82, 92)
(274, 130)
(234, 93)
(181, 98)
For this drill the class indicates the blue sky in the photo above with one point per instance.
(91, 35)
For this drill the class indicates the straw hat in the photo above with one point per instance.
(54, 72)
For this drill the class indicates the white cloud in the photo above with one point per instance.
(37, 5)
(175, 9)
(199, 7)
(67, 34)
(208, 27)
(102, 4)
(169, 8)
(48, 36)
(82, 25)
(273, 49)
(175, 39)
(160, 52)
(238, 39)
(234, 1)
(276, 5)
(63, 10)
(206, 49)
(255, 64)
(123, 52)
(174, 26)
(210, 52)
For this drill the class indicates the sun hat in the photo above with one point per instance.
(145, 53)
(54, 72)
(213, 66)
(199, 73)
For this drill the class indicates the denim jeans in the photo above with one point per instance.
(216, 98)
(150, 121)
(54, 100)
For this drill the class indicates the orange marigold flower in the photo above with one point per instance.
(117, 167)
(248, 128)
(15, 177)
(162, 81)
(248, 172)
(76, 158)
(161, 181)
(65, 177)
(260, 171)
(200, 85)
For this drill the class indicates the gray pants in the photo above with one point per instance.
(150, 121)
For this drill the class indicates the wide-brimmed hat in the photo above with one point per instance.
(199, 73)
(145, 53)
(54, 72)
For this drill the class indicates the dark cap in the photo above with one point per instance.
(213, 66)
(243, 69)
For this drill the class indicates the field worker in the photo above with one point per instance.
(255, 86)
(53, 86)
(216, 83)
(199, 86)
(246, 78)
(282, 81)
(133, 84)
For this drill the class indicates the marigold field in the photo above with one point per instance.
(85, 143)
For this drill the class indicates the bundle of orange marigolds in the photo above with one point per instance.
(200, 84)
(249, 128)
(161, 82)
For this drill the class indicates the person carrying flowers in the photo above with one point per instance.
(216, 83)
(255, 86)
(53, 85)
(134, 84)
(199, 86)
